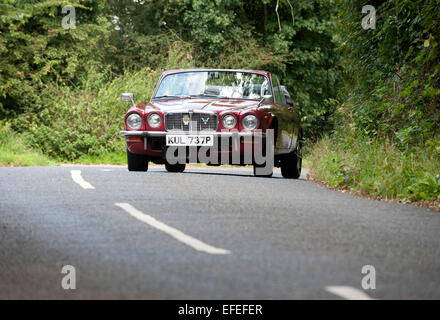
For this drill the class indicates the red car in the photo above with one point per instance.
(230, 115)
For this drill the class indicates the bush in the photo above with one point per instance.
(74, 123)
(377, 168)
(15, 152)
(83, 122)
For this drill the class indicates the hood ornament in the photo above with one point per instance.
(186, 119)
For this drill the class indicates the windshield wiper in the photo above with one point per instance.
(166, 96)
(208, 96)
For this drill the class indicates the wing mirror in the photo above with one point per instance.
(127, 97)
(267, 98)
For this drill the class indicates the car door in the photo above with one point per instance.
(294, 117)
(287, 118)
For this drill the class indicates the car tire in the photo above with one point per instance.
(137, 162)
(178, 167)
(269, 175)
(291, 164)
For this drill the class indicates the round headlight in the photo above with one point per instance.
(249, 122)
(134, 121)
(229, 121)
(154, 120)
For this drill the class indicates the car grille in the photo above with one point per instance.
(200, 121)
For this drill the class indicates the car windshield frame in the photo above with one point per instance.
(210, 95)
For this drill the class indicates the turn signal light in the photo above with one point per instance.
(134, 139)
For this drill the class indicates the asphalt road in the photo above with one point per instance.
(206, 234)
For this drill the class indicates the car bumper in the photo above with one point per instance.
(151, 143)
(215, 134)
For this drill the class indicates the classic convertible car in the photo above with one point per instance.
(195, 109)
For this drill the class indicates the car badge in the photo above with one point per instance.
(205, 121)
(185, 120)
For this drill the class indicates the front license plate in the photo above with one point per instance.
(190, 140)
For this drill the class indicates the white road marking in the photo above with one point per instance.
(76, 176)
(348, 293)
(176, 234)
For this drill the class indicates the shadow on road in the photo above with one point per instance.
(251, 175)
(230, 172)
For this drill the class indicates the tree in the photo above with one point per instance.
(35, 50)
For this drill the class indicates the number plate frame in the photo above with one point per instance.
(189, 140)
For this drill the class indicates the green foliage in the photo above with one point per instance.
(85, 121)
(35, 50)
(14, 151)
(386, 140)
(392, 88)
(425, 186)
(115, 158)
(214, 23)
(310, 69)
(377, 168)
(81, 124)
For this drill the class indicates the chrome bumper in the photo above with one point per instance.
(215, 134)
(236, 135)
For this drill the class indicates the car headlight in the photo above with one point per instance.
(249, 122)
(154, 120)
(229, 121)
(134, 121)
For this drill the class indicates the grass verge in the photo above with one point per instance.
(15, 152)
(119, 158)
(377, 170)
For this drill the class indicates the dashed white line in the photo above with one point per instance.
(348, 293)
(176, 234)
(76, 176)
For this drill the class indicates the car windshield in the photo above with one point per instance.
(213, 84)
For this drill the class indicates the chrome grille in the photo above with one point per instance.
(174, 121)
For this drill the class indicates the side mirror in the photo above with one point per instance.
(127, 97)
(267, 98)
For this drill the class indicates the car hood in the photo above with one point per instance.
(217, 105)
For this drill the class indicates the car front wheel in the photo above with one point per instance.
(291, 164)
(137, 162)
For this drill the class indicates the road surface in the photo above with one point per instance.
(207, 233)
